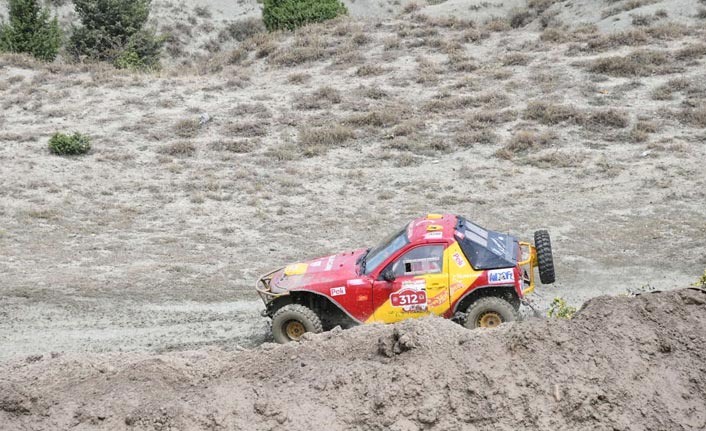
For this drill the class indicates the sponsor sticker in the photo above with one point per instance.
(329, 262)
(434, 235)
(295, 269)
(338, 291)
(501, 276)
(459, 259)
(417, 283)
(315, 264)
(438, 300)
(455, 288)
(356, 282)
(459, 234)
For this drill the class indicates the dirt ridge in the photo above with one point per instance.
(622, 363)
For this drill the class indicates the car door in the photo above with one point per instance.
(420, 285)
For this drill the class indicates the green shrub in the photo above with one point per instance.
(701, 282)
(69, 145)
(30, 30)
(113, 30)
(560, 310)
(291, 14)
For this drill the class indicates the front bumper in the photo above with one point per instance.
(264, 289)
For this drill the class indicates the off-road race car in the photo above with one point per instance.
(440, 264)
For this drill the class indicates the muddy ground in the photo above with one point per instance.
(329, 138)
(623, 363)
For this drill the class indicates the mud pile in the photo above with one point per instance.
(622, 363)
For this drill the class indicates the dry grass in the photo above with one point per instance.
(612, 118)
(242, 146)
(407, 128)
(324, 97)
(550, 114)
(178, 149)
(691, 52)
(524, 141)
(298, 78)
(247, 129)
(446, 102)
(326, 136)
(626, 6)
(379, 118)
(693, 116)
(469, 138)
(370, 70)
(187, 128)
(486, 118)
(638, 63)
(516, 59)
(665, 91)
(241, 30)
(641, 131)
(555, 159)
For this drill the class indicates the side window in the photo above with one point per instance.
(421, 260)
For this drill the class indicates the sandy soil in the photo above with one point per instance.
(621, 364)
(327, 139)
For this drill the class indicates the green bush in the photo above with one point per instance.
(560, 310)
(113, 30)
(30, 30)
(291, 14)
(701, 282)
(69, 145)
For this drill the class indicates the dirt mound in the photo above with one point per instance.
(622, 363)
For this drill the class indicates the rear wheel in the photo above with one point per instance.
(545, 261)
(291, 322)
(489, 312)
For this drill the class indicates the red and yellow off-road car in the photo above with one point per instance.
(440, 264)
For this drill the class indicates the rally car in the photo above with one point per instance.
(440, 264)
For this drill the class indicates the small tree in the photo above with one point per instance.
(30, 30)
(114, 30)
(291, 14)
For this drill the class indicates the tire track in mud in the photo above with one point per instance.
(38, 328)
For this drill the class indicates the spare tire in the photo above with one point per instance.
(545, 261)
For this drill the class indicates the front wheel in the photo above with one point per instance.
(490, 312)
(291, 322)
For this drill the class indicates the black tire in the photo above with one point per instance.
(489, 312)
(545, 261)
(291, 322)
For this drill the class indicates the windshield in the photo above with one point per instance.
(385, 249)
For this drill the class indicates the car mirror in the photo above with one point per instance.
(388, 275)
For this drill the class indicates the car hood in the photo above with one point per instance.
(321, 272)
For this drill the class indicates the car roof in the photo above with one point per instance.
(432, 226)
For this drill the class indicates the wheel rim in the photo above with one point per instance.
(294, 329)
(490, 319)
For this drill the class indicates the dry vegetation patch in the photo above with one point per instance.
(637, 63)
(550, 114)
(178, 149)
(325, 137)
(693, 116)
(187, 128)
(524, 141)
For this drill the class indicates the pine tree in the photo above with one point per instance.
(30, 30)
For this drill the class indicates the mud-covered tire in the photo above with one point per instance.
(545, 261)
(489, 312)
(290, 322)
